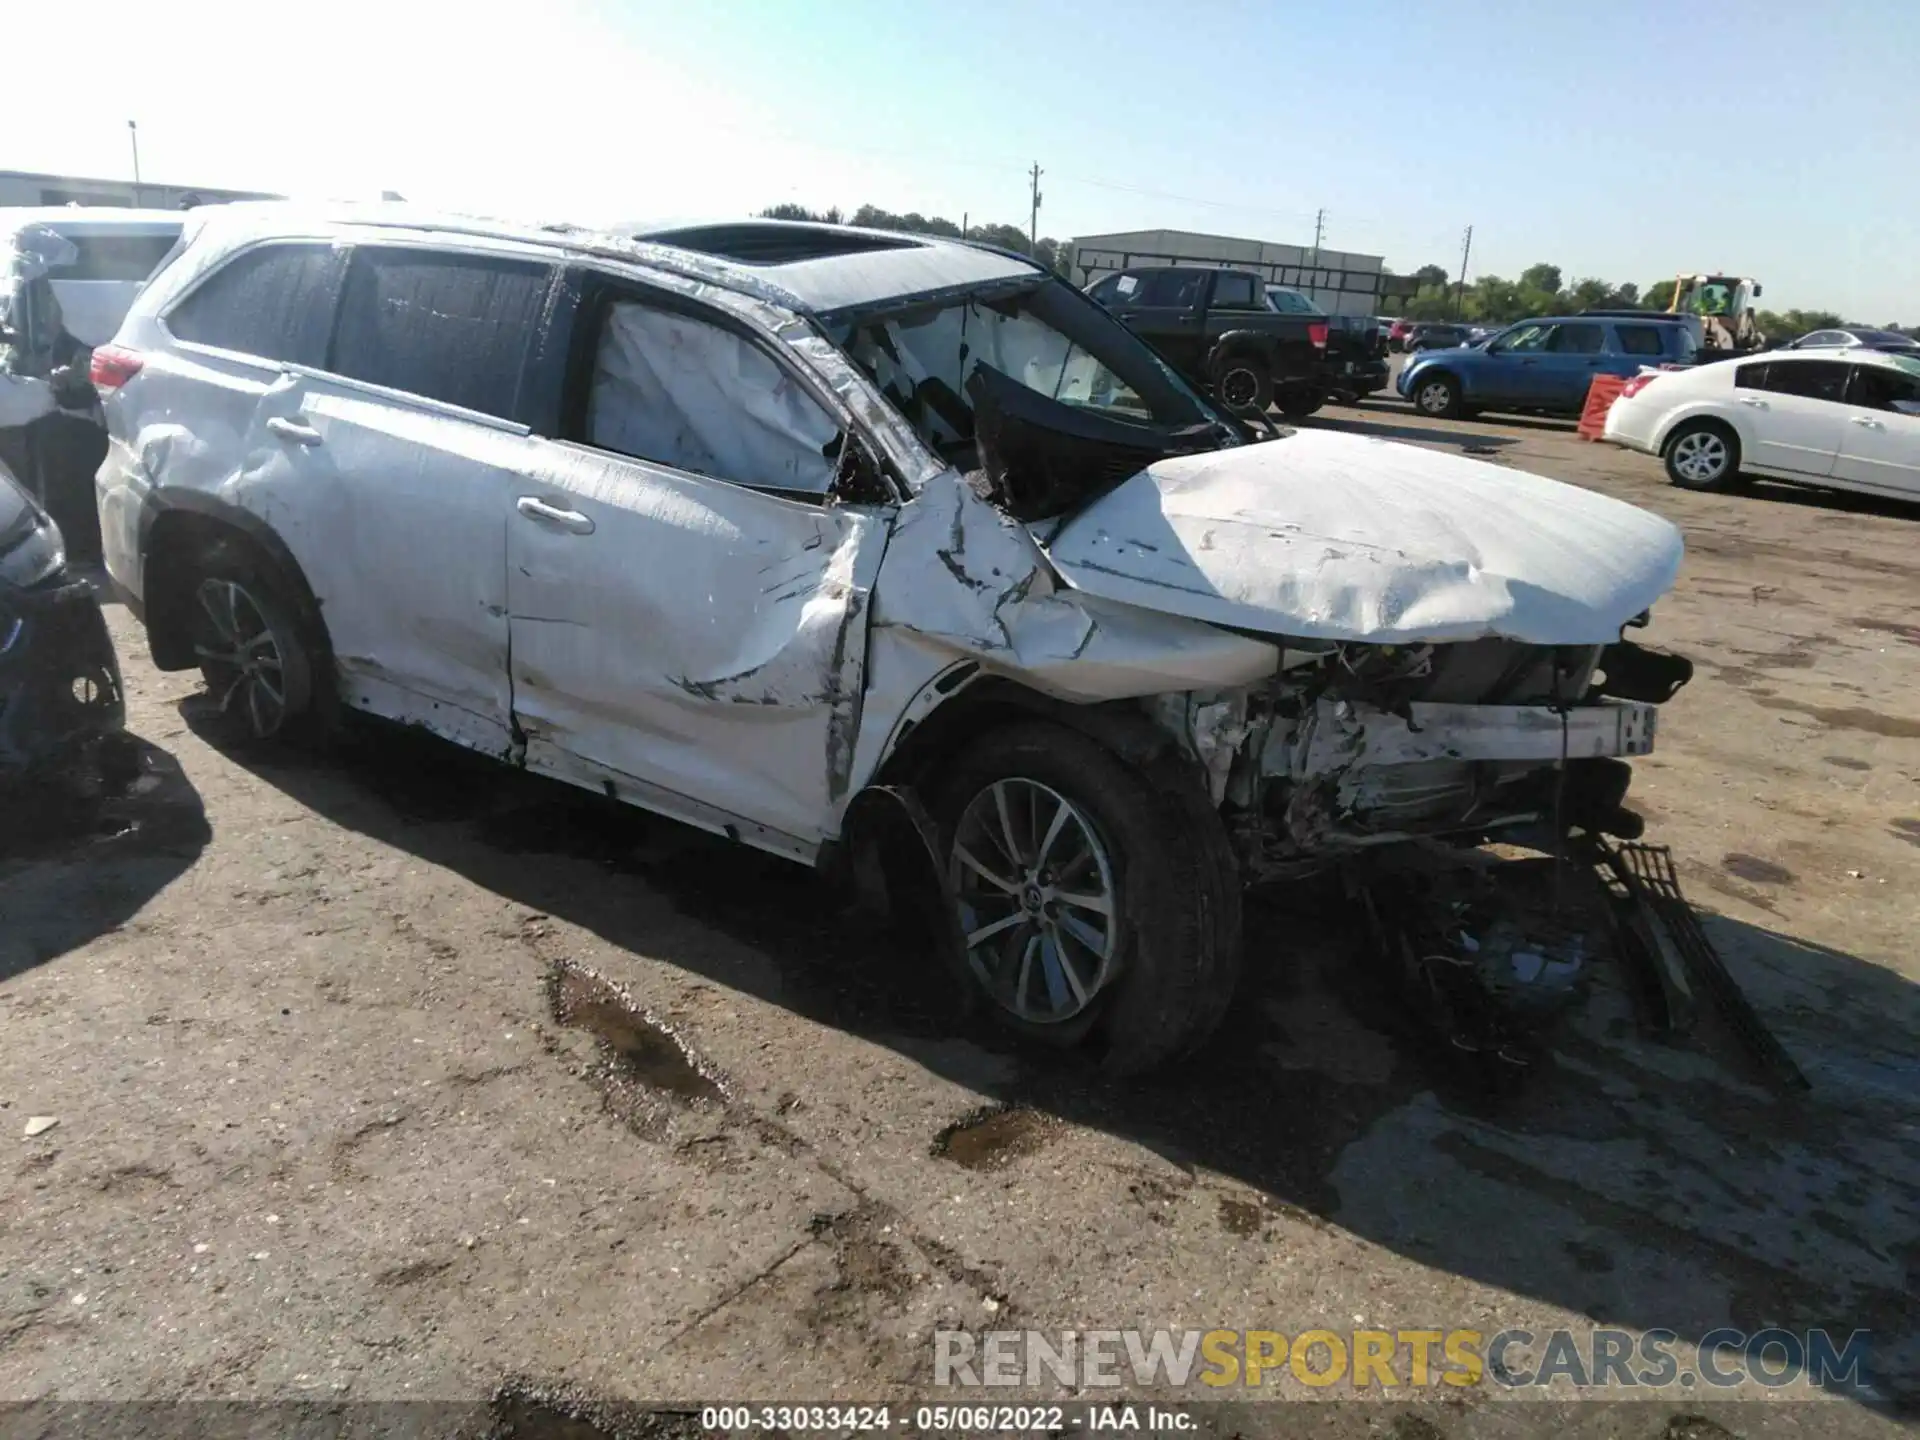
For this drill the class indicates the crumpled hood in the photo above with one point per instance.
(1340, 537)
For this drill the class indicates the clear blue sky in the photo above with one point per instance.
(1630, 140)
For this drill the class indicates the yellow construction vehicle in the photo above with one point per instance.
(1724, 304)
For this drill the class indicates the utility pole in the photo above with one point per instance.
(1319, 228)
(1033, 224)
(133, 135)
(1460, 292)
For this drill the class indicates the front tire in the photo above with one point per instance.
(257, 665)
(1096, 904)
(1703, 455)
(1438, 397)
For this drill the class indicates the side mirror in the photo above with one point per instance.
(857, 476)
(1758, 291)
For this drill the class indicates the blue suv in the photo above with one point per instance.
(1542, 365)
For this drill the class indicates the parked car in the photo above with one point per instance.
(61, 710)
(764, 526)
(1436, 336)
(1846, 419)
(1891, 340)
(1354, 364)
(1219, 329)
(67, 277)
(1542, 366)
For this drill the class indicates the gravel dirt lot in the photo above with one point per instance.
(326, 1040)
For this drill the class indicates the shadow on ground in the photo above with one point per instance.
(1390, 406)
(71, 870)
(1838, 502)
(1637, 1182)
(1470, 441)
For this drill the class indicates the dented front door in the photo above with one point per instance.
(691, 644)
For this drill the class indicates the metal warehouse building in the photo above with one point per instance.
(24, 187)
(1338, 282)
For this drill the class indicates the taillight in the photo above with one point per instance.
(1317, 333)
(112, 367)
(1634, 386)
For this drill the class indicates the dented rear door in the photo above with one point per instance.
(687, 606)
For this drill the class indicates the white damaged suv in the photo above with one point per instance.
(748, 523)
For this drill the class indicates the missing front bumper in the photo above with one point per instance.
(60, 692)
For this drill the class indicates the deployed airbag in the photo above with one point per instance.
(673, 389)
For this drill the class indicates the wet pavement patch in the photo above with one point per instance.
(994, 1139)
(1753, 868)
(1241, 1217)
(522, 1410)
(1853, 717)
(646, 1069)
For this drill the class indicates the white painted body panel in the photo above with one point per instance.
(1337, 537)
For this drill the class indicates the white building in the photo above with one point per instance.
(25, 187)
(1339, 282)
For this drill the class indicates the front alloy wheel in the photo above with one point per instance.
(1436, 398)
(241, 657)
(1038, 903)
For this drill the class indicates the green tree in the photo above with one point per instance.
(788, 211)
(1542, 278)
(1590, 294)
(1435, 275)
(1658, 296)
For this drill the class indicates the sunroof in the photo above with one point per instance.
(775, 244)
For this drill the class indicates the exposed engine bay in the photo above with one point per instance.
(1351, 746)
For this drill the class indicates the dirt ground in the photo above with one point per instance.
(327, 1038)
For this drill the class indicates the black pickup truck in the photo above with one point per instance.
(1220, 330)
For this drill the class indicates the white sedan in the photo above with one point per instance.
(1849, 419)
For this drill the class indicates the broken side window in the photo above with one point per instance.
(454, 328)
(681, 391)
(273, 301)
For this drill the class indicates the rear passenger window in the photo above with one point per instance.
(681, 391)
(453, 328)
(1173, 289)
(1640, 339)
(273, 301)
(1815, 379)
(1234, 292)
(1578, 340)
(116, 257)
(1751, 377)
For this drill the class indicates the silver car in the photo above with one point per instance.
(759, 525)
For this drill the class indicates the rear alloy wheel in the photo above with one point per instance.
(1038, 901)
(1437, 396)
(1703, 456)
(255, 665)
(1242, 383)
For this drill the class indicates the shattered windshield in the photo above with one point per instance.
(1045, 338)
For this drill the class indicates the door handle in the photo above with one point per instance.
(535, 508)
(1868, 421)
(297, 431)
(1756, 404)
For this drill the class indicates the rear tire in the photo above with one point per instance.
(1299, 401)
(1241, 382)
(1703, 455)
(1152, 974)
(1438, 397)
(257, 664)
